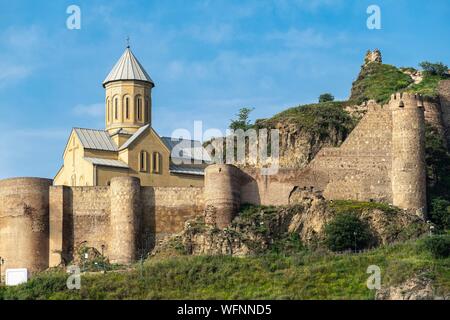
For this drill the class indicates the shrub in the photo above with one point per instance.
(439, 246)
(347, 231)
(440, 213)
(326, 97)
(435, 69)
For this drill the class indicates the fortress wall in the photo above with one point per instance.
(276, 189)
(24, 223)
(166, 209)
(433, 115)
(78, 216)
(360, 168)
(83, 215)
(444, 96)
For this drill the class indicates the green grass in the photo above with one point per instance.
(428, 87)
(378, 81)
(319, 118)
(305, 275)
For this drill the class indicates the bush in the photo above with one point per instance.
(326, 97)
(434, 69)
(440, 213)
(439, 246)
(347, 231)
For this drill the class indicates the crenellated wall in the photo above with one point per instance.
(41, 225)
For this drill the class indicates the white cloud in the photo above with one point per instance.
(94, 110)
(212, 34)
(11, 72)
(308, 38)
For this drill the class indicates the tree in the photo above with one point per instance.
(434, 69)
(440, 213)
(346, 232)
(242, 122)
(326, 97)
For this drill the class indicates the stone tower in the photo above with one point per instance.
(373, 56)
(128, 101)
(125, 206)
(24, 223)
(222, 193)
(408, 152)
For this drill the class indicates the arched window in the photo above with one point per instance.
(156, 162)
(143, 161)
(147, 110)
(138, 108)
(127, 108)
(116, 108)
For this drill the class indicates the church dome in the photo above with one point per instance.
(128, 68)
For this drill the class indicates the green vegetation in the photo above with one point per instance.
(439, 246)
(305, 275)
(321, 118)
(242, 121)
(346, 232)
(352, 206)
(378, 81)
(326, 97)
(438, 166)
(428, 87)
(434, 69)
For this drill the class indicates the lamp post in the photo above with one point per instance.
(2, 262)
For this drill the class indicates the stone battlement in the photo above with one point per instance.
(383, 159)
(406, 100)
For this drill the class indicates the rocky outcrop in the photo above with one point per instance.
(417, 288)
(256, 229)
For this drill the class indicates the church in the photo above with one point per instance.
(129, 146)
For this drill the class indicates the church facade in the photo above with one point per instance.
(129, 146)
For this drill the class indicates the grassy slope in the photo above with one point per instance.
(304, 275)
(318, 118)
(378, 81)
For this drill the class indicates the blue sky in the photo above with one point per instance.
(208, 59)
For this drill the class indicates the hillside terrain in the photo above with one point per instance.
(313, 248)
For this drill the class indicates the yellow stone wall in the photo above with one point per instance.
(76, 171)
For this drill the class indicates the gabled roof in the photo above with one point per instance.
(134, 136)
(107, 162)
(128, 68)
(190, 149)
(196, 170)
(95, 139)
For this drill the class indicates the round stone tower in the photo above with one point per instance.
(125, 206)
(222, 193)
(408, 152)
(24, 223)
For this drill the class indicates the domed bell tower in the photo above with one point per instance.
(128, 102)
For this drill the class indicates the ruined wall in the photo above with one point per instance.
(24, 223)
(165, 211)
(383, 159)
(360, 168)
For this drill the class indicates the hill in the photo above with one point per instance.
(304, 275)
